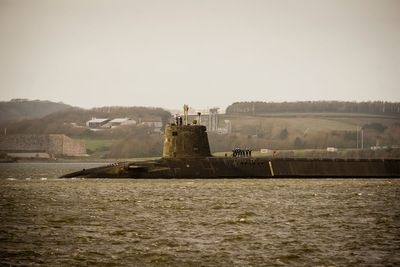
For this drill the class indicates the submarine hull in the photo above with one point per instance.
(247, 167)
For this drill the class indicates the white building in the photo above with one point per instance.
(97, 122)
(331, 149)
(119, 122)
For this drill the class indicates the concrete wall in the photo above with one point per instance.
(72, 147)
(56, 144)
(24, 143)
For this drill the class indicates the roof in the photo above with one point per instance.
(98, 120)
(118, 120)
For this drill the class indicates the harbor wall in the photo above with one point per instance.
(55, 144)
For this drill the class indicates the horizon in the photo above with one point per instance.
(210, 53)
(16, 100)
(196, 107)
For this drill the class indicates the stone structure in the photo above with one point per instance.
(213, 120)
(54, 144)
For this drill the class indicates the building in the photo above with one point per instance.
(331, 149)
(213, 120)
(227, 129)
(96, 123)
(119, 122)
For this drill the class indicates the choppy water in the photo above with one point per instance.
(335, 222)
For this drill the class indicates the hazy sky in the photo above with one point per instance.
(204, 53)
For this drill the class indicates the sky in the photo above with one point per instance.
(207, 53)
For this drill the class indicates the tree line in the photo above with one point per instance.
(260, 108)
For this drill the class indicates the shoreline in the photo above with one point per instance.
(72, 160)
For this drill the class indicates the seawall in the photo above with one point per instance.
(55, 144)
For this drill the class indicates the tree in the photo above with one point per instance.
(298, 143)
(375, 126)
(284, 134)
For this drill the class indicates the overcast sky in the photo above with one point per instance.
(204, 53)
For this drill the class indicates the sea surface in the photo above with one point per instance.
(48, 221)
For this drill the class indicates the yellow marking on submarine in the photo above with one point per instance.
(270, 168)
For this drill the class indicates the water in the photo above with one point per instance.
(68, 222)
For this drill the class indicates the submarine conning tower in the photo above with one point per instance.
(183, 140)
(186, 141)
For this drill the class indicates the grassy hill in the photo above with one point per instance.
(20, 109)
(286, 131)
(306, 121)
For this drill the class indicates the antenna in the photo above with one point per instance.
(185, 113)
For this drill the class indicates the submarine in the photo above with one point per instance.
(186, 154)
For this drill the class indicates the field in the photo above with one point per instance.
(97, 145)
(307, 121)
(302, 131)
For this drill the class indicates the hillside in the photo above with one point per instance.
(309, 125)
(123, 141)
(20, 109)
(307, 131)
(273, 131)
